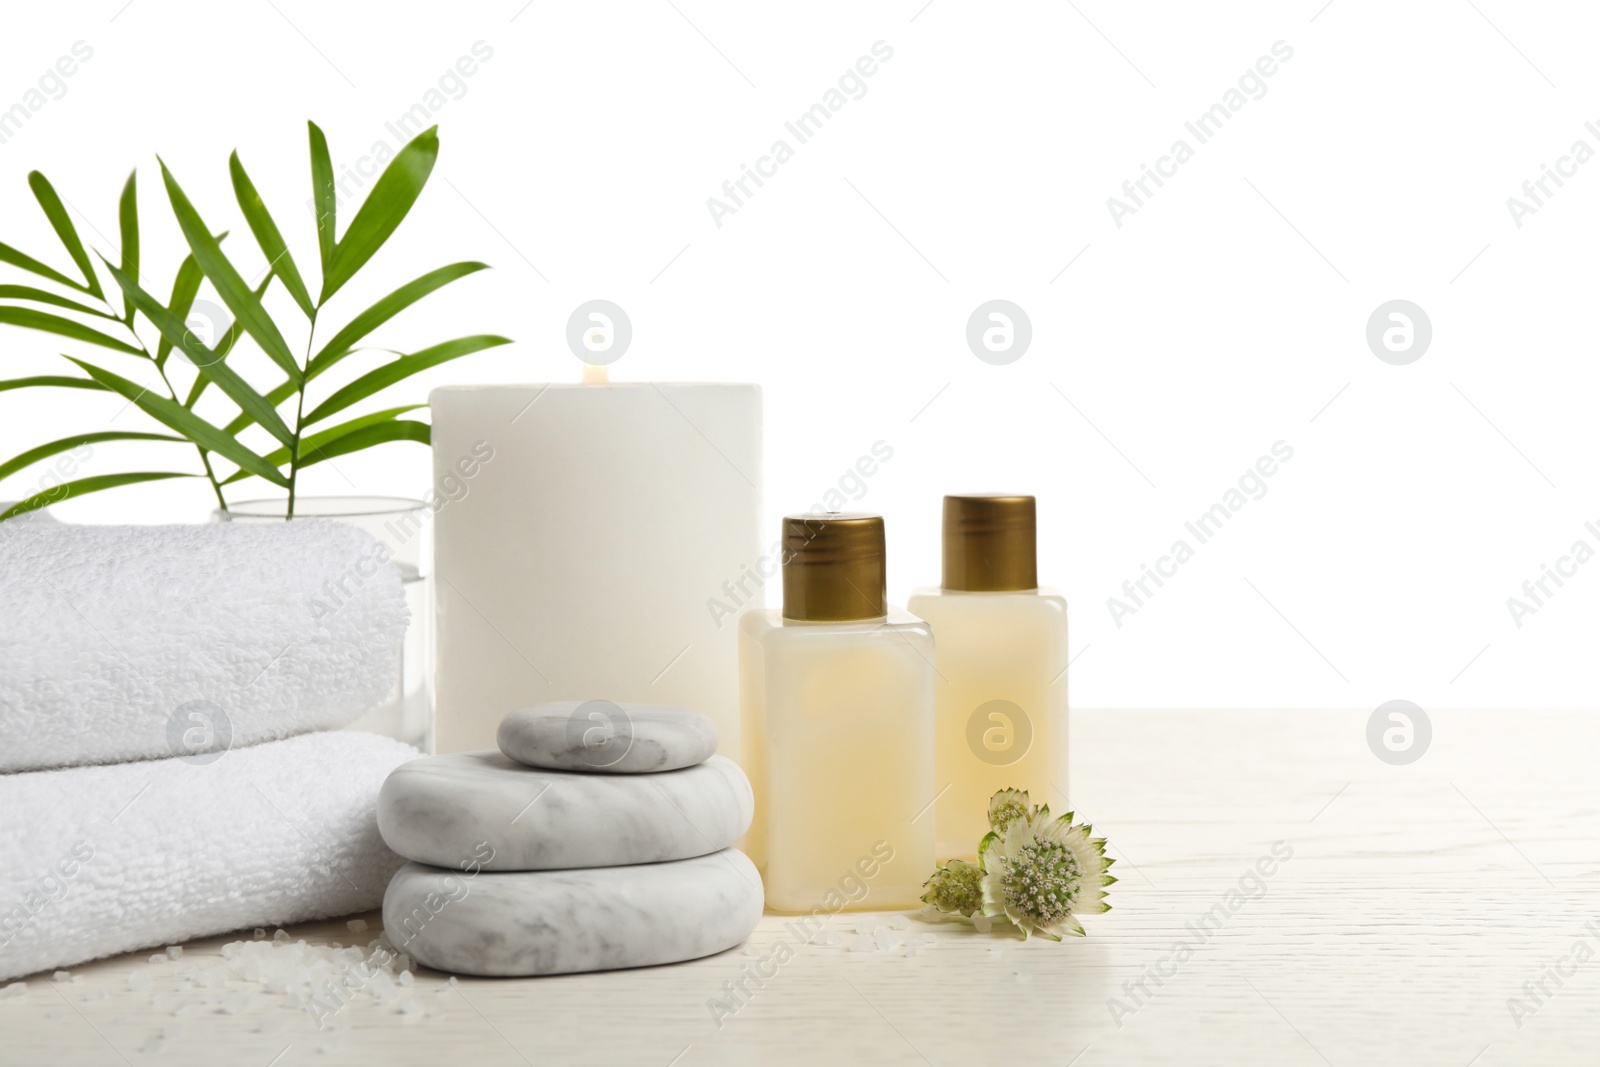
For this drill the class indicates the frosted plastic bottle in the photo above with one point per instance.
(1001, 705)
(836, 696)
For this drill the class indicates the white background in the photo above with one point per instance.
(1225, 315)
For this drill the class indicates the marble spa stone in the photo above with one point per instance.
(527, 923)
(597, 735)
(483, 810)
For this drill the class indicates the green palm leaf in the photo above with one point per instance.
(230, 337)
(45, 193)
(396, 189)
(210, 364)
(268, 235)
(58, 380)
(40, 296)
(28, 263)
(239, 297)
(366, 437)
(400, 369)
(128, 220)
(383, 311)
(390, 199)
(275, 396)
(348, 437)
(34, 455)
(324, 197)
(84, 486)
(30, 319)
(185, 287)
(172, 414)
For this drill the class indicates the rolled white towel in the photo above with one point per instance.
(100, 860)
(141, 642)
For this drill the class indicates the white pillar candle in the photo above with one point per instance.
(586, 540)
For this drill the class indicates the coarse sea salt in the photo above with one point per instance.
(357, 926)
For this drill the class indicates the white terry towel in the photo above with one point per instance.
(100, 860)
(140, 642)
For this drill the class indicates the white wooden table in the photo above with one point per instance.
(1417, 902)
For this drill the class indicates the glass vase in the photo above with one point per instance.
(402, 525)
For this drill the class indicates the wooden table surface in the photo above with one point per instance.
(1418, 903)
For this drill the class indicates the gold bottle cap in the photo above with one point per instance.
(990, 543)
(833, 567)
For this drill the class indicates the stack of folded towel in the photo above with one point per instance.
(161, 773)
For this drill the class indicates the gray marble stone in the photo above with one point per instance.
(480, 806)
(559, 922)
(597, 735)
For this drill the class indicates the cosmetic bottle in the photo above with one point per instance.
(1001, 718)
(836, 700)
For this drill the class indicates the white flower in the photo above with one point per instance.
(1009, 805)
(1041, 872)
(956, 888)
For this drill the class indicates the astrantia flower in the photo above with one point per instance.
(1041, 872)
(956, 888)
(1009, 805)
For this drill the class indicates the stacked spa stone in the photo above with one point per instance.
(598, 836)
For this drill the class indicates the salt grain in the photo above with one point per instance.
(867, 925)
(900, 922)
(280, 937)
(174, 952)
(409, 1006)
(260, 934)
(357, 926)
(405, 978)
(61, 976)
(861, 943)
(158, 959)
(139, 981)
(884, 938)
